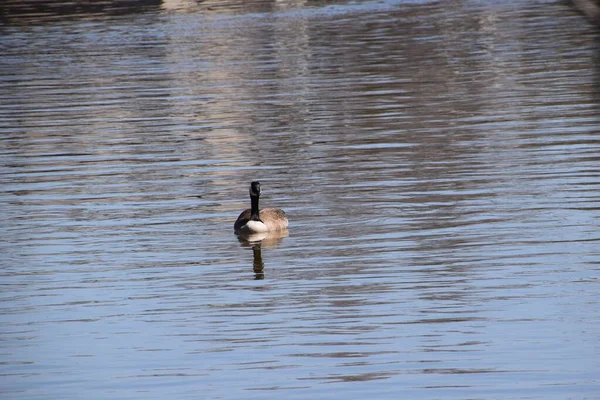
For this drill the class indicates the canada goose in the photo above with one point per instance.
(254, 220)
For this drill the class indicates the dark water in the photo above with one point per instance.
(439, 163)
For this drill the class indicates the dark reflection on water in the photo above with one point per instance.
(24, 13)
(439, 165)
(256, 242)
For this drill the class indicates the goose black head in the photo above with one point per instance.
(255, 189)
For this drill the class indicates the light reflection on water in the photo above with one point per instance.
(439, 167)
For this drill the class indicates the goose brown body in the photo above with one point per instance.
(274, 219)
(254, 220)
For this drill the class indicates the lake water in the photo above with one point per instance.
(439, 163)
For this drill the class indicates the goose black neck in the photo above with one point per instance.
(254, 208)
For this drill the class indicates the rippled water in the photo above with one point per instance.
(439, 163)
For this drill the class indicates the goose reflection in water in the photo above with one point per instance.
(258, 241)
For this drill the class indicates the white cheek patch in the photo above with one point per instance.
(256, 226)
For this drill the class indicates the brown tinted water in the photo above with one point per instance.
(439, 163)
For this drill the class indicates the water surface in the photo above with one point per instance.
(439, 165)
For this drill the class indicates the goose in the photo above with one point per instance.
(253, 220)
